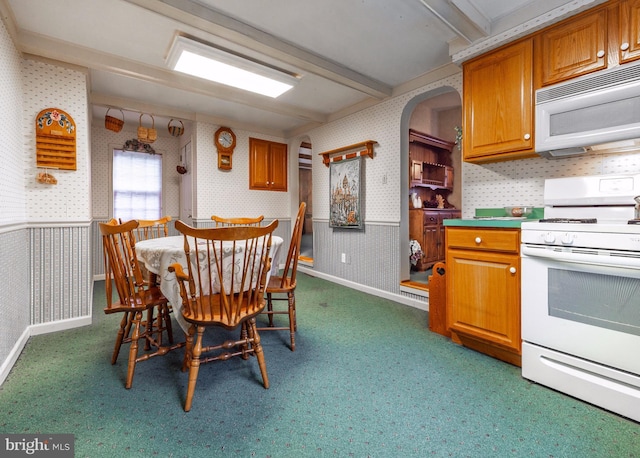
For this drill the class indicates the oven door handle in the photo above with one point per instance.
(629, 260)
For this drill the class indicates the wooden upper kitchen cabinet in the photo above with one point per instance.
(629, 31)
(572, 49)
(483, 290)
(267, 165)
(498, 105)
(601, 38)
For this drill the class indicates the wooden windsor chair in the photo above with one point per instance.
(226, 222)
(282, 287)
(134, 296)
(224, 286)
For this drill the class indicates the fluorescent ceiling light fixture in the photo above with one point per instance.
(204, 61)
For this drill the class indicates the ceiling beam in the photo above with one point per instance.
(196, 15)
(456, 20)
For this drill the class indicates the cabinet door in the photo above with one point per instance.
(278, 167)
(629, 30)
(574, 48)
(267, 165)
(498, 105)
(483, 297)
(258, 164)
(430, 246)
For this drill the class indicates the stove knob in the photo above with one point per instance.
(567, 239)
(549, 237)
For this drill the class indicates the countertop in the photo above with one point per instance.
(487, 216)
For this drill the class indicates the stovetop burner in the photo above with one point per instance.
(570, 220)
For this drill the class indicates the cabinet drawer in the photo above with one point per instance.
(504, 240)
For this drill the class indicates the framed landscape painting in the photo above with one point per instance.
(346, 196)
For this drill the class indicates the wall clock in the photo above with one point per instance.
(225, 141)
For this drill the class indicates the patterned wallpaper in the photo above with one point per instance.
(226, 192)
(384, 194)
(56, 87)
(522, 182)
(103, 141)
(14, 259)
(12, 185)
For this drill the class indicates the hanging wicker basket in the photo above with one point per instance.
(175, 130)
(147, 134)
(112, 123)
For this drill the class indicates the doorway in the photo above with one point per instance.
(438, 116)
(305, 194)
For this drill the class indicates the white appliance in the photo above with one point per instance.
(589, 113)
(581, 292)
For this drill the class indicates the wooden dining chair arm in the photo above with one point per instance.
(179, 271)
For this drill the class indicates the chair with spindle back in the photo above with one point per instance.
(134, 296)
(285, 284)
(226, 222)
(224, 286)
(153, 229)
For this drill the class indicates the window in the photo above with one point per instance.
(137, 185)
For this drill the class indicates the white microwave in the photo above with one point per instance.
(599, 111)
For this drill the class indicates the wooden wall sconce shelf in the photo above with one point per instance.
(328, 156)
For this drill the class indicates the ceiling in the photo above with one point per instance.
(350, 53)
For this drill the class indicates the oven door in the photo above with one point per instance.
(583, 304)
(581, 325)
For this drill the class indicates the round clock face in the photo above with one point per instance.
(225, 139)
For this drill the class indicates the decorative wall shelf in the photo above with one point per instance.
(55, 140)
(368, 151)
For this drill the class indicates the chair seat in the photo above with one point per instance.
(208, 314)
(280, 285)
(152, 298)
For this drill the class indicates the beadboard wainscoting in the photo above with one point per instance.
(371, 259)
(14, 296)
(61, 283)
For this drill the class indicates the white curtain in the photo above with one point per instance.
(137, 185)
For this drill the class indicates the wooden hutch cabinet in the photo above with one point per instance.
(430, 174)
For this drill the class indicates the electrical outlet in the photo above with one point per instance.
(344, 257)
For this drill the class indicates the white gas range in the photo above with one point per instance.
(580, 299)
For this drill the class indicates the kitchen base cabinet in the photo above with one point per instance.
(483, 290)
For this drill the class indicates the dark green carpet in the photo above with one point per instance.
(367, 379)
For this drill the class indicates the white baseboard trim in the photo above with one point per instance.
(8, 363)
(367, 289)
(61, 325)
(35, 330)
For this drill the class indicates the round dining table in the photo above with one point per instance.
(159, 253)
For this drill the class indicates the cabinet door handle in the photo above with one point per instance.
(624, 46)
(512, 270)
(478, 240)
(527, 136)
(600, 53)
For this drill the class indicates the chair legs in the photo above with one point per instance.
(249, 343)
(257, 347)
(194, 364)
(291, 312)
(133, 349)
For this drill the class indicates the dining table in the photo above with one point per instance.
(159, 253)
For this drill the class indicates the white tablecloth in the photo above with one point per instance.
(158, 254)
